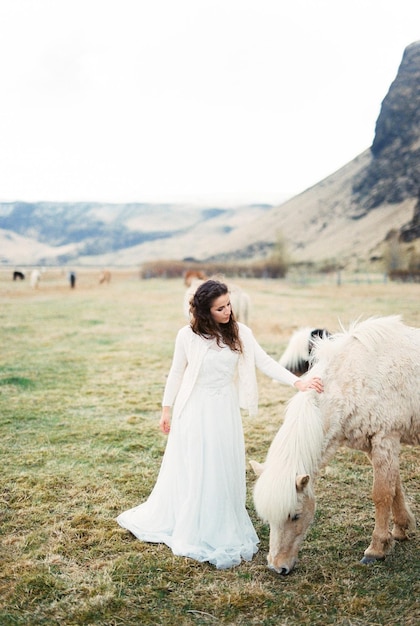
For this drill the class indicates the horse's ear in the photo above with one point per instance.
(257, 467)
(302, 481)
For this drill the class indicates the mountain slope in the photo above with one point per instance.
(324, 224)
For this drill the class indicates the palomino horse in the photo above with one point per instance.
(239, 299)
(371, 402)
(105, 277)
(297, 355)
(191, 275)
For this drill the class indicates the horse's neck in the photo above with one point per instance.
(332, 441)
(299, 444)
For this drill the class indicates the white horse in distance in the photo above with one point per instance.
(35, 278)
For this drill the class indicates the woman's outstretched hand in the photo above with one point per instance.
(311, 383)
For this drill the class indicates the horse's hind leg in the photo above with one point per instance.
(402, 516)
(385, 462)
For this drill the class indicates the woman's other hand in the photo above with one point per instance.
(165, 420)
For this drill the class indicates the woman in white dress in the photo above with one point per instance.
(197, 506)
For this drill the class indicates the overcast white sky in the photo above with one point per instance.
(151, 100)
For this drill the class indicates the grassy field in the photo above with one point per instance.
(81, 378)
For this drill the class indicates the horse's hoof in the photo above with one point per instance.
(367, 560)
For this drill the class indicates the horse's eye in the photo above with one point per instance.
(295, 517)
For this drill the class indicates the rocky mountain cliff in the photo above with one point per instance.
(345, 219)
(393, 175)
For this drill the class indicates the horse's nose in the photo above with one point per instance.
(283, 570)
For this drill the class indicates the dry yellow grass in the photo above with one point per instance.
(81, 377)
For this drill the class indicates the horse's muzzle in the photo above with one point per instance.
(283, 570)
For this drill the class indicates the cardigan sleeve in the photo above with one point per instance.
(270, 367)
(176, 372)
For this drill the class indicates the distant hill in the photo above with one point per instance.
(345, 219)
(113, 234)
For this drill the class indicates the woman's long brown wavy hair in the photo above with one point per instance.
(202, 322)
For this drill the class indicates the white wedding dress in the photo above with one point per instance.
(197, 506)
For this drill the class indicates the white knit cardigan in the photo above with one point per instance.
(189, 352)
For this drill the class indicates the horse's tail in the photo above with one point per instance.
(296, 356)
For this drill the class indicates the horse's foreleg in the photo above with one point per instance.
(403, 518)
(385, 462)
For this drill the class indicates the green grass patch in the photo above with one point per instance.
(17, 381)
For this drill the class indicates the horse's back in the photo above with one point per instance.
(371, 378)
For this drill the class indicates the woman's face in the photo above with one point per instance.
(221, 309)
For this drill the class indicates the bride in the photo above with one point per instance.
(197, 506)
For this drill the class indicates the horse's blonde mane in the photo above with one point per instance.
(369, 332)
(375, 330)
(295, 450)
